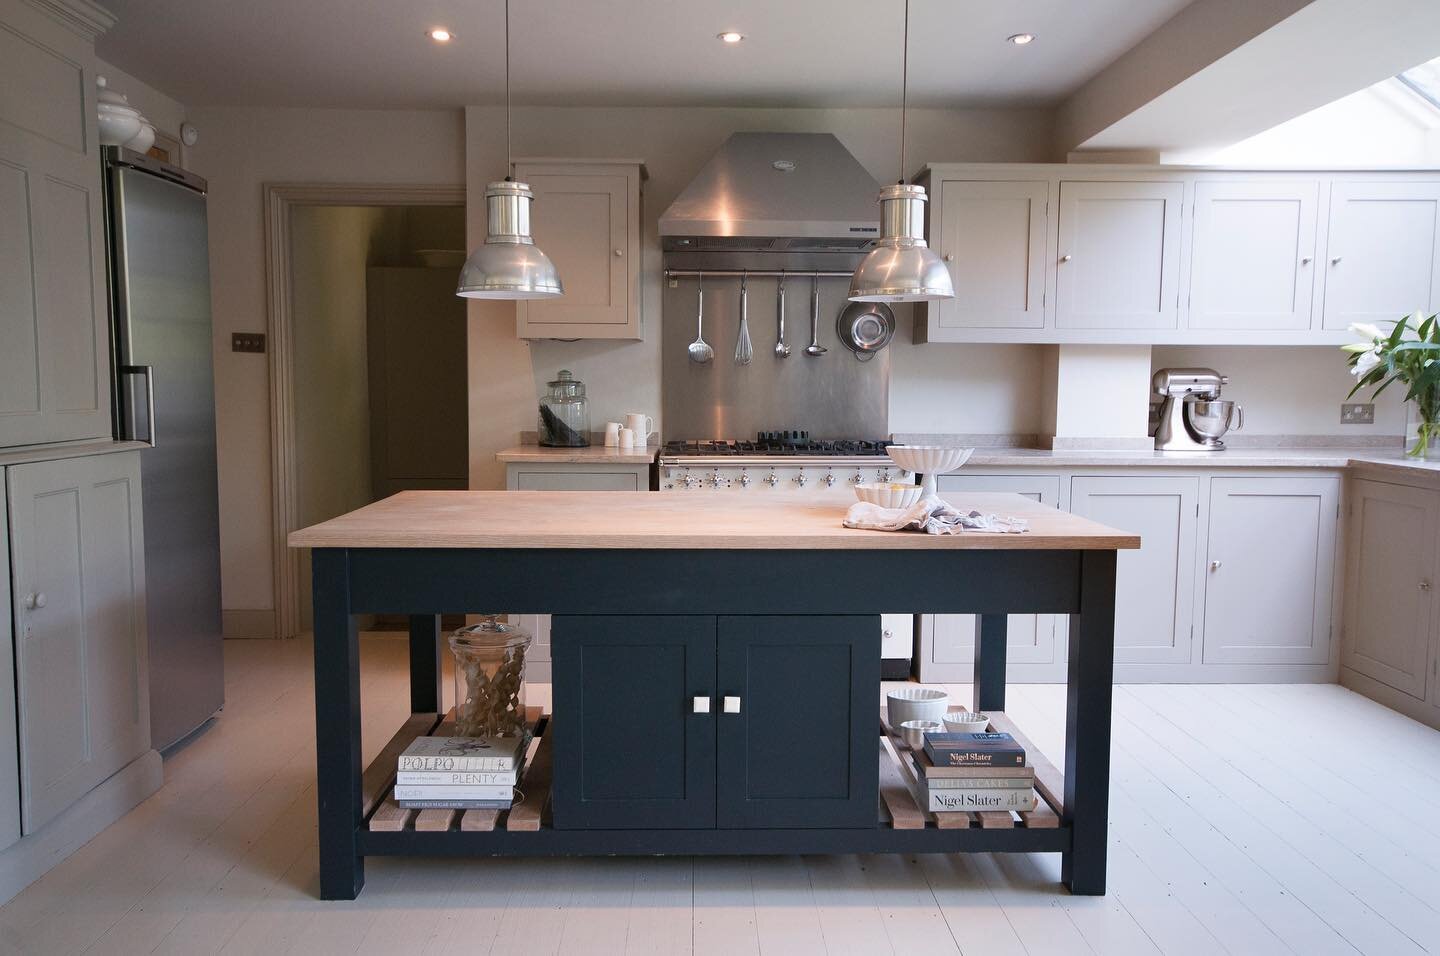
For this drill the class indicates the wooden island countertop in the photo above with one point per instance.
(650, 520)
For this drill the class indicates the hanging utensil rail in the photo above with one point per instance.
(754, 273)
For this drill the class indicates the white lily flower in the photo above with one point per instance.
(1366, 362)
(1367, 330)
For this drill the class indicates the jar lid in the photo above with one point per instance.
(490, 634)
(566, 384)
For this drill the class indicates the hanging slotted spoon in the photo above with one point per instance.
(700, 351)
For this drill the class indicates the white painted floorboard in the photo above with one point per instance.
(1269, 835)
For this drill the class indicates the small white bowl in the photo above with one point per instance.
(888, 494)
(913, 732)
(966, 722)
(916, 703)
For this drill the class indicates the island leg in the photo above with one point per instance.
(425, 672)
(337, 727)
(990, 649)
(1087, 726)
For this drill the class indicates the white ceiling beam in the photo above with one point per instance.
(1182, 90)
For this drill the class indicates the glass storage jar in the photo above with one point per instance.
(565, 413)
(489, 679)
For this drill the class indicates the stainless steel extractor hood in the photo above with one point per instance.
(774, 200)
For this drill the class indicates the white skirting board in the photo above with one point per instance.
(33, 856)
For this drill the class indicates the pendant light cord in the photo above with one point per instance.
(509, 175)
(904, 87)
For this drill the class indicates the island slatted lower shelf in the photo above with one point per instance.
(903, 826)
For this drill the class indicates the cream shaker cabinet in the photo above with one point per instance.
(1390, 598)
(1119, 255)
(1269, 577)
(993, 236)
(1382, 260)
(1253, 259)
(9, 731)
(77, 554)
(947, 641)
(1154, 586)
(54, 363)
(586, 217)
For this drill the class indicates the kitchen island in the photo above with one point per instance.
(663, 604)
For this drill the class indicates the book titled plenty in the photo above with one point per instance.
(971, 750)
(462, 754)
(456, 778)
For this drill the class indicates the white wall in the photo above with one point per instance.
(1288, 391)
(675, 143)
(241, 149)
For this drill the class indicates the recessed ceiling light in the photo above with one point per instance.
(440, 35)
(730, 36)
(1020, 39)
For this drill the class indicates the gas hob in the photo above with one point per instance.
(788, 461)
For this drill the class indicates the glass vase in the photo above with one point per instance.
(490, 679)
(1422, 427)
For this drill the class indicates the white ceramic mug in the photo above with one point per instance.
(627, 438)
(612, 434)
(641, 425)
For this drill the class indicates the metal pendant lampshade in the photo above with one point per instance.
(509, 265)
(902, 267)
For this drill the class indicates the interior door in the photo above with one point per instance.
(798, 720)
(1270, 572)
(79, 573)
(1030, 637)
(631, 747)
(1155, 585)
(992, 237)
(1119, 255)
(1253, 264)
(1390, 598)
(1383, 254)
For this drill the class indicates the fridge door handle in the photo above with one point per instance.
(149, 372)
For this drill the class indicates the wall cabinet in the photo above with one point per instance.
(1390, 600)
(586, 216)
(79, 618)
(1154, 586)
(9, 726)
(993, 234)
(1383, 257)
(1119, 263)
(1270, 570)
(1253, 259)
(947, 641)
(54, 365)
(723, 743)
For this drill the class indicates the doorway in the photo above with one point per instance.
(368, 359)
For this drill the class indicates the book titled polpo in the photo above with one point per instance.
(974, 750)
(461, 754)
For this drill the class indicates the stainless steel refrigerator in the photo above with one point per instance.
(165, 394)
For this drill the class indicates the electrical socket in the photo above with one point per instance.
(247, 342)
(1357, 413)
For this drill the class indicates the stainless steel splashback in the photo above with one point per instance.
(833, 395)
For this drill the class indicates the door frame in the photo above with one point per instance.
(279, 201)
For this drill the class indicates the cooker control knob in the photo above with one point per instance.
(690, 481)
(829, 480)
(800, 479)
(856, 478)
(744, 479)
(772, 479)
(883, 474)
(715, 480)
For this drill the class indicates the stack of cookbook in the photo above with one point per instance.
(459, 773)
(975, 772)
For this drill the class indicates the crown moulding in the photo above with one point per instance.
(87, 19)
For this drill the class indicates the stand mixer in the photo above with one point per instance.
(1192, 416)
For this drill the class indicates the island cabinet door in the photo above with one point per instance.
(798, 721)
(634, 745)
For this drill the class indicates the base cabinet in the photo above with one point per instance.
(79, 617)
(1390, 601)
(703, 722)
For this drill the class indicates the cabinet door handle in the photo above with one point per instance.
(1424, 585)
(949, 257)
(1304, 260)
(1065, 258)
(1335, 260)
(732, 705)
(28, 602)
(700, 705)
(619, 253)
(1214, 565)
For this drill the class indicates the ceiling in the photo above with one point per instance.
(813, 53)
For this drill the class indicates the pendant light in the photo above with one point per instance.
(902, 267)
(509, 265)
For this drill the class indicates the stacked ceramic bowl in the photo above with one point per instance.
(120, 123)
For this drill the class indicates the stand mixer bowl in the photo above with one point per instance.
(1210, 419)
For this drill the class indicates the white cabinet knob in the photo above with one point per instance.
(1214, 565)
(1335, 261)
(1304, 260)
(619, 253)
(28, 602)
(949, 257)
(732, 705)
(1065, 258)
(40, 599)
(1424, 585)
(701, 705)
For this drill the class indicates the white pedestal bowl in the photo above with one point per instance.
(929, 461)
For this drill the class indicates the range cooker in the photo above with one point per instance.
(776, 462)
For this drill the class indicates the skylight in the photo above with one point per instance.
(1424, 81)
